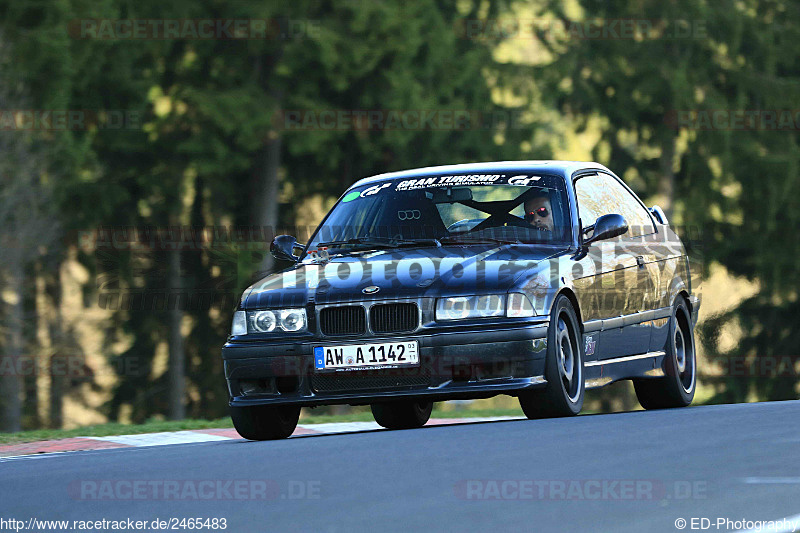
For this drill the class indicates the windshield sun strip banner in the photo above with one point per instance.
(455, 180)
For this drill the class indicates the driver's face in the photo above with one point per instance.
(538, 213)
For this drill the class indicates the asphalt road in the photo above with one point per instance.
(637, 471)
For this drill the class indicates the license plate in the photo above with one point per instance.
(387, 354)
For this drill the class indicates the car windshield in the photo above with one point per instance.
(452, 208)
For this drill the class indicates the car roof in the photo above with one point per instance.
(558, 167)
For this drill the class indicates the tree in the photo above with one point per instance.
(215, 118)
(26, 229)
(209, 149)
(653, 100)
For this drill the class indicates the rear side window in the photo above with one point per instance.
(601, 194)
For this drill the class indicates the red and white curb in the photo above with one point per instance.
(202, 435)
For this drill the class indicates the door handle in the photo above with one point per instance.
(640, 261)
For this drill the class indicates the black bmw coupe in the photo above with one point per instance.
(534, 279)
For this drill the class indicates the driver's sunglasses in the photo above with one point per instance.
(542, 212)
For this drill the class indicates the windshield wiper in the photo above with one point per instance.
(387, 242)
(452, 239)
(361, 241)
(419, 242)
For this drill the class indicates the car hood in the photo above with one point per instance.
(404, 273)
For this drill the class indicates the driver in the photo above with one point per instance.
(538, 212)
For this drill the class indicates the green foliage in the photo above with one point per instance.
(203, 110)
(738, 184)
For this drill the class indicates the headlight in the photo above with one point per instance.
(279, 320)
(263, 321)
(292, 319)
(463, 307)
(519, 306)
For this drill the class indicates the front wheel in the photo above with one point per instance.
(265, 422)
(563, 395)
(676, 388)
(402, 415)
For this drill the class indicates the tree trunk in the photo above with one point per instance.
(177, 368)
(267, 164)
(666, 183)
(11, 411)
(58, 378)
(30, 377)
(57, 391)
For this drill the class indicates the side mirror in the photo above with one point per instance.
(607, 227)
(659, 215)
(283, 248)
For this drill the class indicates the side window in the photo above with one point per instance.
(601, 194)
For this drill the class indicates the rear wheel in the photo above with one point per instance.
(563, 395)
(402, 415)
(265, 422)
(676, 388)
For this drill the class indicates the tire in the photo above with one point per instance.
(265, 422)
(402, 415)
(566, 385)
(676, 388)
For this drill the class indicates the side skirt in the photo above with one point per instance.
(646, 365)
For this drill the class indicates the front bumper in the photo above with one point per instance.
(453, 365)
(694, 303)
